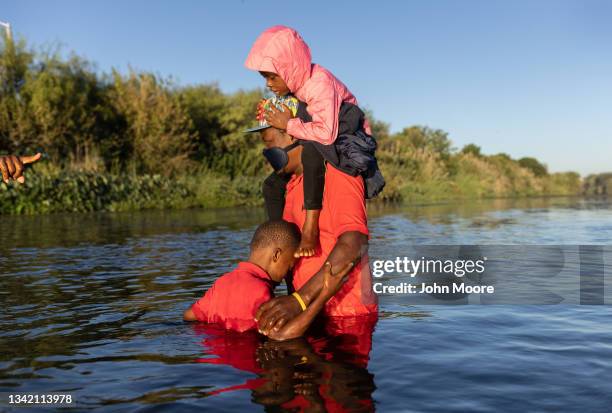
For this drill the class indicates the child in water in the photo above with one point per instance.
(235, 297)
(282, 57)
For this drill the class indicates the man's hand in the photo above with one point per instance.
(277, 118)
(332, 282)
(12, 166)
(274, 314)
(189, 315)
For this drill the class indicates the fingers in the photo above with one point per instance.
(304, 389)
(4, 170)
(327, 267)
(18, 169)
(302, 375)
(270, 322)
(30, 159)
(345, 270)
(263, 308)
(266, 318)
(10, 162)
(270, 115)
(279, 323)
(272, 112)
(13, 166)
(287, 109)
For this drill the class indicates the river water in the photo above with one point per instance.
(92, 303)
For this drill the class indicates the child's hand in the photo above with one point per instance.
(332, 282)
(259, 114)
(277, 118)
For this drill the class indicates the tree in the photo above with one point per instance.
(15, 62)
(422, 137)
(534, 166)
(158, 126)
(471, 149)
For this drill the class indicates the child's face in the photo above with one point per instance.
(275, 83)
(282, 261)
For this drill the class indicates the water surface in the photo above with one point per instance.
(91, 305)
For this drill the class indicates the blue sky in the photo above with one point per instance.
(529, 78)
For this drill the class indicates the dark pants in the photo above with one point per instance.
(274, 186)
(314, 176)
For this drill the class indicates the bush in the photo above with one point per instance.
(118, 142)
(534, 166)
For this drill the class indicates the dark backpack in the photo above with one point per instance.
(354, 151)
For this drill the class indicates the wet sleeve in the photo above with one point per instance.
(323, 105)
(200, 307)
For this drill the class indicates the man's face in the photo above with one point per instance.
(273, 137)
(283, 261)
(275, 83)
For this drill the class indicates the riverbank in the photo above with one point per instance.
(121, 142)
(48, 191)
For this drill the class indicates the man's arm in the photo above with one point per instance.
(274, 314)
(330, 284)
(349, 248)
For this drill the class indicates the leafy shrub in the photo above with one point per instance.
(119, 142)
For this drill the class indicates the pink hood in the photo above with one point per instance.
(282, 50)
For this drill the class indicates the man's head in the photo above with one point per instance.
(276, 138)
(273, 245)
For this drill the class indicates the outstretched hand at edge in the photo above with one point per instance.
(12, 166)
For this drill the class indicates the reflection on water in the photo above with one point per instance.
(91, 305)
(327, 370)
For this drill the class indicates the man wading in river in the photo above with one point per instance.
(343, 238)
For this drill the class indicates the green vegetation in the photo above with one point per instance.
(120, 142)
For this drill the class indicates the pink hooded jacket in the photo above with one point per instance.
(282, 50)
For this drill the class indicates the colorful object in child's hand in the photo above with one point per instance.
(266, 105)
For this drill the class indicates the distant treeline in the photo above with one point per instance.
(598, 184)
(127, 141)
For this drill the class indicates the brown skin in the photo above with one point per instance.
(12, 166)
(276, 261)
(275, 83)
(274, 314)
(310, 234)
(274, 116)
(278, 118)
(299, 324)
(309, 374)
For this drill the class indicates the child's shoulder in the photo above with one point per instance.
(244, 274)
(321, 79)
(321, 74)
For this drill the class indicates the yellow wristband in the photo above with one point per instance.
(299, 299)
